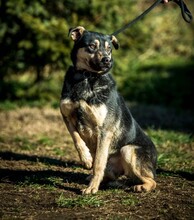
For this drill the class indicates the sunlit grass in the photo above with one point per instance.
(80, 201)
(174, 149)
(24, 143)
(129, 200)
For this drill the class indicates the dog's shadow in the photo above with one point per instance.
(71, 177)
(44, 174)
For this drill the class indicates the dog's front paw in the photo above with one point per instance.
(89, 190)
(87, 163)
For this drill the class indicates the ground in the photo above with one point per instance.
(41, 177)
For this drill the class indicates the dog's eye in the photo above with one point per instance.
(108, 49)
(92, 46)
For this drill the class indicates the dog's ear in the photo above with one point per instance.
(76, 33)
(114, 42)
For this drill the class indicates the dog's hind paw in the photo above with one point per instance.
(146, 187)
(139, 188)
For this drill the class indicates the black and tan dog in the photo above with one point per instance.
(105, 134)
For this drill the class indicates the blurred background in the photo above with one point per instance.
(154, 65)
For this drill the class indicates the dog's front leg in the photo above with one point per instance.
(100, 161)
(67, 107)
(82, 149)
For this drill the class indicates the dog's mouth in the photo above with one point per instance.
(105, 68)
(102, 66)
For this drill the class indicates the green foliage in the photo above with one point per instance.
(31, 37)
(155, 59)
(161, 82)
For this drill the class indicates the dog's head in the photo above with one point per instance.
(92, 51)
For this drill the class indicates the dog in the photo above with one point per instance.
(106, 136)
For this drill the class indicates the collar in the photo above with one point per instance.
(80, 75)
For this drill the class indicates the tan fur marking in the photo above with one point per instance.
(94, 117)
(80, 145)
(129, 160)
(107, 47)
(97, 43)
(115, 42)
(67, 107)
(99, 55)
(76, 33)
(100, 113)
(148, 184)
(132, 170)
(97, 114)
(83, 58)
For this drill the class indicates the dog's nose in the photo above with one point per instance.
(106, 60)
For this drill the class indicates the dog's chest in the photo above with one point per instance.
(83, 104)
(87, 119)
(94, 89)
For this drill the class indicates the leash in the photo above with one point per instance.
(186, 14)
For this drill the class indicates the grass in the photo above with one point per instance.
(100, 199)
(45, 141)
(80, 201)
(24, 143)
(41, 182)
(174, 148)
(30, 144)
(130, 200)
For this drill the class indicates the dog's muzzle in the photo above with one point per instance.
(106, 64)
(106, 60)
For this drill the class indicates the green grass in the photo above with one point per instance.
(27, 144)
(24, 143)
(45, 141)
(80, 201)
(174, 148)
(8, 105)
(40, 182)
(59, 152)
(129, 200)
(97, 200)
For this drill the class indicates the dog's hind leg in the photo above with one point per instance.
(138, 168)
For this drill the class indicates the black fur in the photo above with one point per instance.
(98, 88)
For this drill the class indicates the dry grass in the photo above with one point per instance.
(36, 131)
